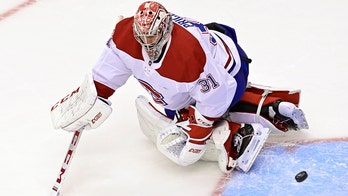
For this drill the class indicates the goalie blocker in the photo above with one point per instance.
(81, 108)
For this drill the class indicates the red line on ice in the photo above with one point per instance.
(15, 9)
(225, 178)
(221, 184)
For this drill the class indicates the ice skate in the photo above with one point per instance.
(238, 150)
(248, 142)
(288, 116)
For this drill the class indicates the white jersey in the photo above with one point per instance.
(195, 67)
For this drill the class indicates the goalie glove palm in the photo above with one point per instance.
(185, 142)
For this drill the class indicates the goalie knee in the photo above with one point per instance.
(151, 121)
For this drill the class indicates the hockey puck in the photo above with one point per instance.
(301, 176)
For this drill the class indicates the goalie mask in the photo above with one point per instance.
(152, 28)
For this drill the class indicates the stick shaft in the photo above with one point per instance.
(66, 163)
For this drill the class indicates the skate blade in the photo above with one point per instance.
(247, 159)
(299, 119)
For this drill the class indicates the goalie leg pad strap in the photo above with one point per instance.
(248, 118)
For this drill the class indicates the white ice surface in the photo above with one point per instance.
(46, 49)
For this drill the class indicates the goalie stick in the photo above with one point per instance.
(67, 160)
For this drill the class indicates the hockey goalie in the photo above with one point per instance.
(204, 107)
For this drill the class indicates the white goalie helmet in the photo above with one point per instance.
(152, 27)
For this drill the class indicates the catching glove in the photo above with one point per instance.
(185, 142)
